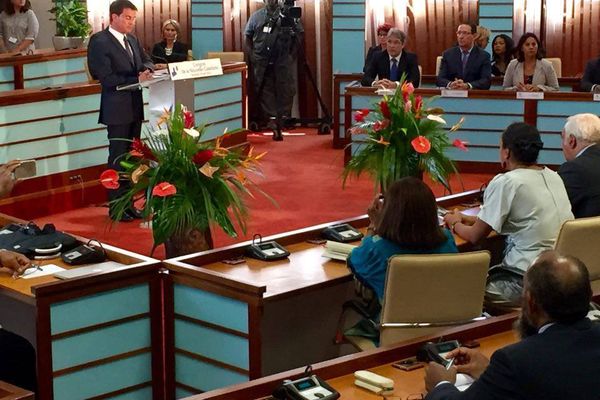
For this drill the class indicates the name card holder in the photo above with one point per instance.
(455, 93)
(596, 96)
(530, 95)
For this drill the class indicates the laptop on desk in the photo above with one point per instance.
(92, 269)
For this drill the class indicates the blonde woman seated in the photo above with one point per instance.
(170, 49)
(529, 72)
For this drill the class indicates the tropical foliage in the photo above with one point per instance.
(71, 18)
(181, 182)
(402, 136)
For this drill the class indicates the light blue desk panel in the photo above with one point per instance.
(219, 102)
(55, 72)
(62, 134)
(106, 336)
(7, 78)
(212, 347)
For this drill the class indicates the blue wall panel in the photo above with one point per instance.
(101, 343)
(348, 36)
(217, 82)
(217, 98)
(207, 27)
(216, 130)
(203, 376)
(142, 394)
(212, 308)
(221, 346)
(103, 378)
(99, 308)
(40, 69)
(566, 108)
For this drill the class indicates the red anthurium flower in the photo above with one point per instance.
(188, 119)
(360, 115)
(110, 179)
(421, 144)
(385, 109)
(164, 189)
(379, 125)
(460, 144)
(141, 149)
(202, 157)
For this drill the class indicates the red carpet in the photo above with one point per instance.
(302, 173)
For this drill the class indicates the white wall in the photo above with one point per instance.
(47, 27)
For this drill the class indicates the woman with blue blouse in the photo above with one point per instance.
(405, 222)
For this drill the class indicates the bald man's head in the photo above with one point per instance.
(560, 285)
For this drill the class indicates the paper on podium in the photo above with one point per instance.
(144, 84)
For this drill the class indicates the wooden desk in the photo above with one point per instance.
(94, 336)
(231, 323)
(493, 333)
(11, 392)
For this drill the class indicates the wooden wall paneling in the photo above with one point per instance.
(432, 27)
(308, 106)
(326, 58)
(570, 29)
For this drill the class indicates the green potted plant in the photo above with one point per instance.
(72, 27)
(183, 184)
(402, 136)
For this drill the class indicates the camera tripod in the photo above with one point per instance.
(279, 122)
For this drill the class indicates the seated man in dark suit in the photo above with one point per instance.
(581, 172)
(590, 82)
(389, 65)
(465, 66)
(558, 356)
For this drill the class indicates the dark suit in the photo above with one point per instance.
(380, 66)
(478, 71)
(591, 76)
(582, 181)
(179, 54)
(561, 363)
(17, 361)
(373, 51)
(121, 111)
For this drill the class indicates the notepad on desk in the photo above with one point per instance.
(92, 269)
(337, 250)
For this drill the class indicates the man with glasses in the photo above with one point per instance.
(390, 64)
(116, 57)
(465, 66)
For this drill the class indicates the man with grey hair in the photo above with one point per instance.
(581, 172)
(388, 66)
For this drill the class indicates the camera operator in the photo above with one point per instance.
(272, 36)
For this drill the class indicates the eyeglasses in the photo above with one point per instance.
(382, 34)
(463, 33)
(30, 270)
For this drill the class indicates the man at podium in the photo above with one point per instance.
(116, 57)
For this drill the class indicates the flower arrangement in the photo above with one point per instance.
(182, 183)
(404, 137)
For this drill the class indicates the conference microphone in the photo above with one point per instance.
(159, 58)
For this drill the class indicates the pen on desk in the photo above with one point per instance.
(450, 363)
